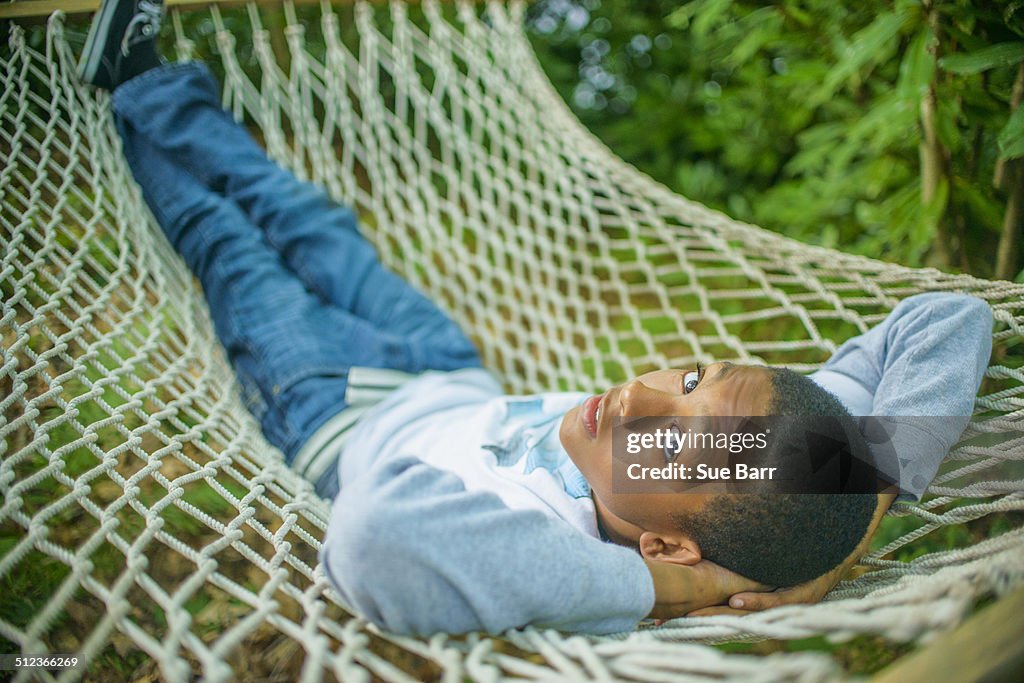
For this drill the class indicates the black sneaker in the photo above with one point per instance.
(121, 42)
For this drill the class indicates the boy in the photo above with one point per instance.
(457, 508)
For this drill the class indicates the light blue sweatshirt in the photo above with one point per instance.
(459, 510)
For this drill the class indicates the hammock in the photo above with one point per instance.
(147, 525)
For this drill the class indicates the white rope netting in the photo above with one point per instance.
(145, 521)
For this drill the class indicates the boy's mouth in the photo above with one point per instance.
(590, 414)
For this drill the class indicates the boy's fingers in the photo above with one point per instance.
(761, 601)
(719, 610)
(755, 602)
(749, 586)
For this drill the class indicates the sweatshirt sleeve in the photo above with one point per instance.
(925, 360)
(416, 553)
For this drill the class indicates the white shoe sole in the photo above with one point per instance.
(92, 55)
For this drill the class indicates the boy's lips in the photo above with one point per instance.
(589, 414)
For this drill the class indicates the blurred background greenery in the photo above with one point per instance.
(888, 129)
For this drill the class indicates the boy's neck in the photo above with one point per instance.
(608, 526)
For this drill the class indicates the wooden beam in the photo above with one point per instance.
(27, 9)
(987, 648)
(36, 9)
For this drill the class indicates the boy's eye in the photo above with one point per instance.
(690, 380)
(671, 449)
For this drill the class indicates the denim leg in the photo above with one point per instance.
(177, 108)
(290, 350)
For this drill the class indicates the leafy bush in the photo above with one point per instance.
(890, 129)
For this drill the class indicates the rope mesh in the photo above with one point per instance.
(143, 512)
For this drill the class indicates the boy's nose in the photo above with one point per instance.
(639, 400)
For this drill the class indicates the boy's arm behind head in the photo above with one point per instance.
(925, 360)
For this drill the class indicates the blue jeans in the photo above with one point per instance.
(296, 294)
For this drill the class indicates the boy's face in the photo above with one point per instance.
(721, 389)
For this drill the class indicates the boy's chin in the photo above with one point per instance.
(565, 429)
(566, 436)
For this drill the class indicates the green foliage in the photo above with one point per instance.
(1011, 137)
(806, 116)
(993, 56)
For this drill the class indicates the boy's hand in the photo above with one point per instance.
(748, 602)
(680, 589)
(809, 592)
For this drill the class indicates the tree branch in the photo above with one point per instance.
(932, 156)
(1009, 174)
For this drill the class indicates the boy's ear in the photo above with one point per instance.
(677, 549)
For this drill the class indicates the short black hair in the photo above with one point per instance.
(783, 539)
